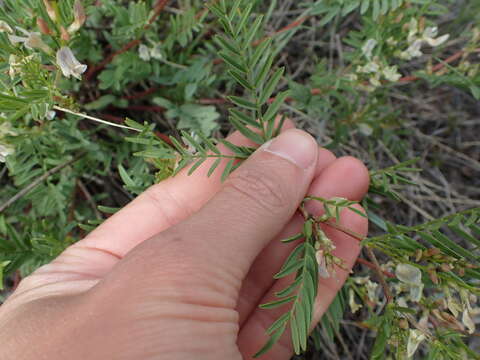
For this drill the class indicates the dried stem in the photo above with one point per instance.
(381, 277)
(89, 198)
(39, 180)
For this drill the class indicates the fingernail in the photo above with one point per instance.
(295, 146)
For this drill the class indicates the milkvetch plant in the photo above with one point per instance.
(75, 74)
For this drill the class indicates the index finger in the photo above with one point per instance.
(162, 205)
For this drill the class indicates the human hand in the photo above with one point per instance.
(180, 271)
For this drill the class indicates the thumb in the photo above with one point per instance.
(255, 203)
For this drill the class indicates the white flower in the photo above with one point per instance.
(5, 150)
(468, 322)
(370, 67)
(6, 129)
(31, 40)
(69, 65)
(429, 36)
(408, 274)
(79, 17)
(360, 280)
(13, 62)
(391, 41)
(414, 339)
(4, 27)
(156, 52)
(351, 77)
(391, 73)
(365, 129)
(144, 52)
(322, 265)
(412, 30)
(413, 51)
(375, 80)
(402, 302)
(411, 276)
(453, 306)
(16, 64)
(416, 40)
(351, 302)
(372, 291)
(368, 47)
(51, 115)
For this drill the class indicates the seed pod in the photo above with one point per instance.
(43, 27)
(432, 252)
(446, 267)
(418, 255)
(403, 324)
(433, 276)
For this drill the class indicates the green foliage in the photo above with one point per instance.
(333, 8)
(249, 65)
(73, 156)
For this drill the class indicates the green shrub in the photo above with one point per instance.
(151, 92)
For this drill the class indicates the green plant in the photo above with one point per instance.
(358, 91)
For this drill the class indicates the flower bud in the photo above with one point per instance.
(43, 27)
(403, 324)
(80, 17)
(65, 36)
(50, 10)
(4, 27)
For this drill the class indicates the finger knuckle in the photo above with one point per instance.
(260, 188)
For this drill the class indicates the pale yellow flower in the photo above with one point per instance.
(156, 52)
(391, 73)
(430, 36)
(69, 65)
(413, 51)
(4, 27)
(5, 150)
(322, 265)
(370, 67)
(144, 52)
(468, 322)
(50, 10)
(372, 291)
(415, 338)
(79, 17)
(368, 47)
(412, 277)
(351, 302)
(31, 40)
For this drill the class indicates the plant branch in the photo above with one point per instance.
(39, 180)
(85, 116)
(345, 230)
(381, 277)
(373, 267)
(89, 198)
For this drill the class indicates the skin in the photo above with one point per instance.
(180, 271)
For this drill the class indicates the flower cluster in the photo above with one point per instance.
(147, 53)
(417, 37)
(375, 68)
(5, 148)
(32, 40)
